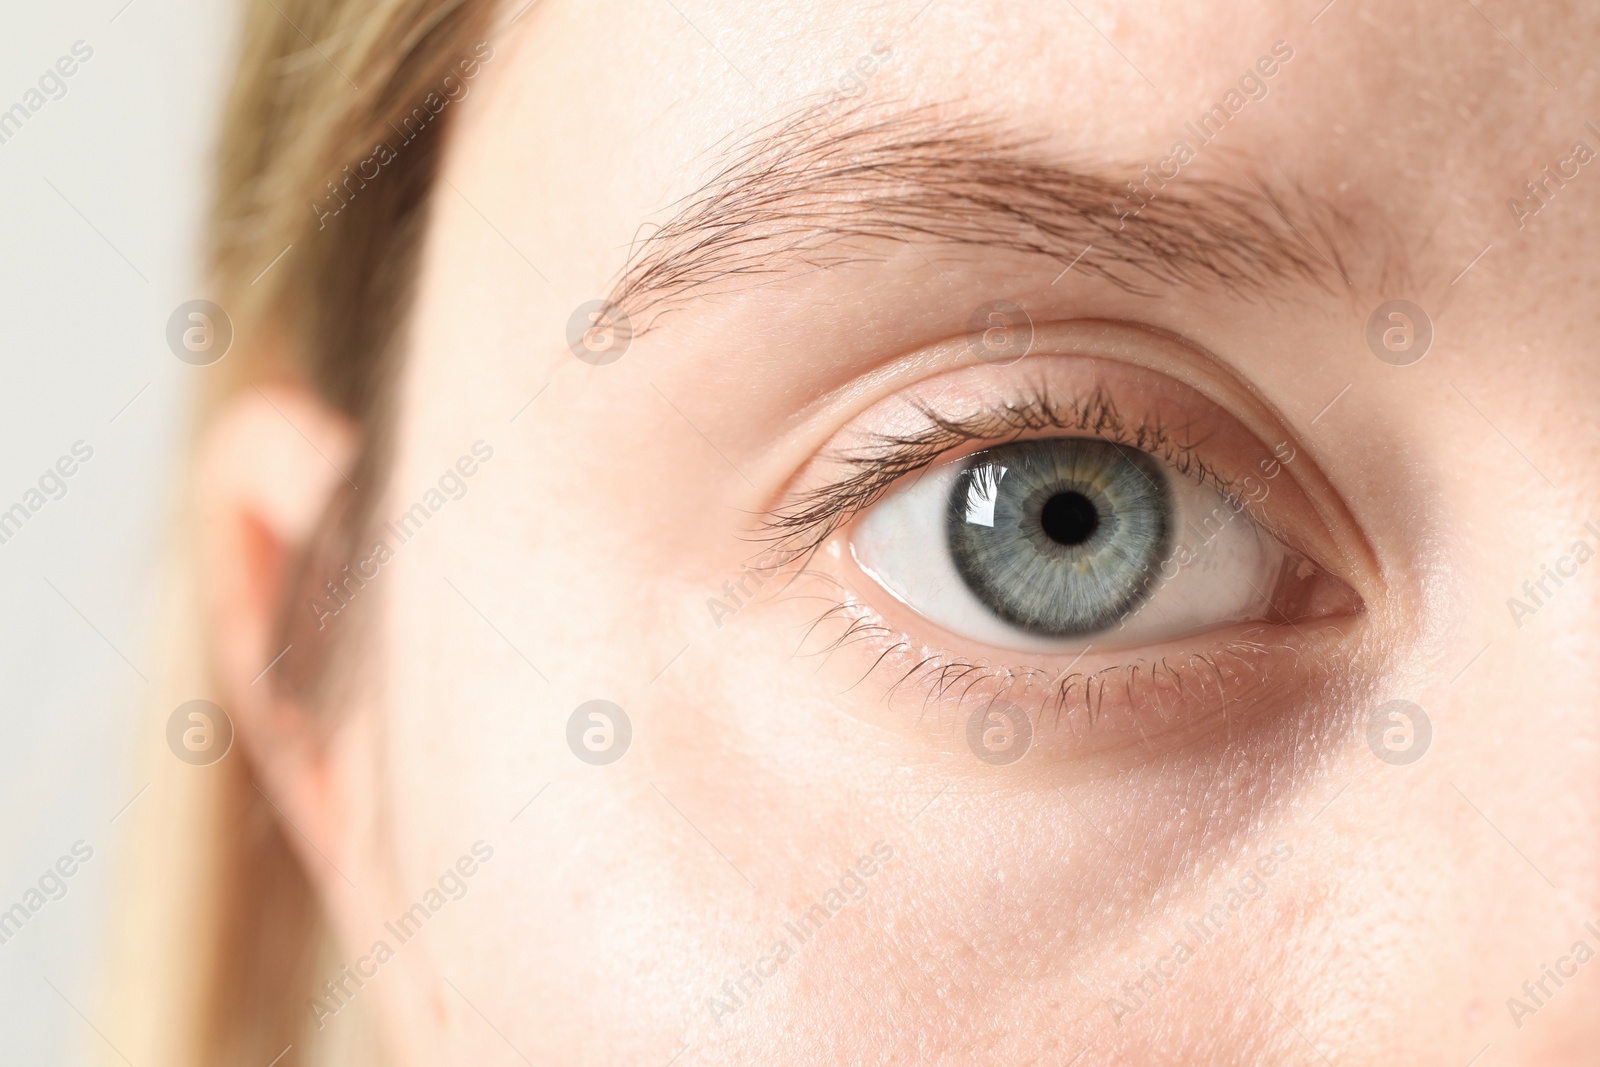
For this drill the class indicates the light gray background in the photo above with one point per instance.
(90, 270)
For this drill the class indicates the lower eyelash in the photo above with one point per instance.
(1065, 696)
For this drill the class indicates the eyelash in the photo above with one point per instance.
(941, 672)
(797, 531)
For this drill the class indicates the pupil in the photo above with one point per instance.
(1069, 518)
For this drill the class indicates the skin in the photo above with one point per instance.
(1415, 899)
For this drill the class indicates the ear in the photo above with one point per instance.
(270, 465)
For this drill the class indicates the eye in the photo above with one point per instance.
(1059, 543)
(1120, 537)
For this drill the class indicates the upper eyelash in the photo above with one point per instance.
(798, 529)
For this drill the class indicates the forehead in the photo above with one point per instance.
(618, 110)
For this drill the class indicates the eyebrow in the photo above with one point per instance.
(818, 191)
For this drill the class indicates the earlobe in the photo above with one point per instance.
(271, 462)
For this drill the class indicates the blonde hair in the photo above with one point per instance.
(217, 934)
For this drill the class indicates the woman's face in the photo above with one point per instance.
(1002, 530)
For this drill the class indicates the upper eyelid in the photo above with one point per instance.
(1209, 405)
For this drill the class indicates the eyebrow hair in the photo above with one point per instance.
(821, 191)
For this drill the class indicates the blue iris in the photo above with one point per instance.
(1060, 536)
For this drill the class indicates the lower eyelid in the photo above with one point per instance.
(1091, 705)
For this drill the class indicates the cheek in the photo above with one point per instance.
(734, 813)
